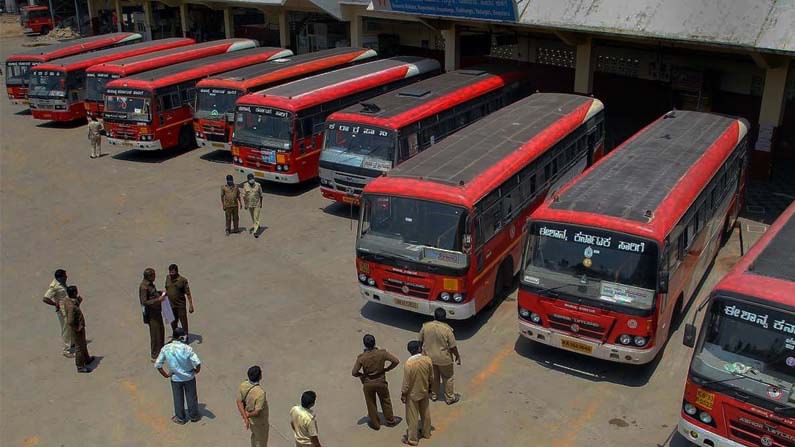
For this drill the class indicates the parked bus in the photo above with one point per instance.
(213, 119)
(36, 19)
(739, 389)
(362, 141)
(154, 109)
(99, 75)
(279, 131)
(614, 258)
(18, 64)
(58, 88)
(445, 228)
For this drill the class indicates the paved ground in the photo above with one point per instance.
(287, 301)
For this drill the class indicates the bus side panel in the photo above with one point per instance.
(307, 162)
(170, 124)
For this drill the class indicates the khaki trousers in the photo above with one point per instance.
(416, 411)
(66, 330)
(255, 211)
(231, 218)
(259, 435)
(378, 389)
(96, 146)
(443, 374)
(81, 349)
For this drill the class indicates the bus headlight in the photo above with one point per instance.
(524, 313)
(371, 282)
(625, 339)
(458, 297)
(445, 296)
(535, 318)
(640, 341)
(705, 418)
(278, 167)
(286, 168)
(362, 277)
(690, 409)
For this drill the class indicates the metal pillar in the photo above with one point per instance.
(183, 18)
(583, 74)
(119, 16)
(284, 30)
(356, 31)
(771, 112)
(229, 26)
(452, 55)
(148, 18)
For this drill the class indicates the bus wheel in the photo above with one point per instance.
(502, 285)
(44, 30)
(187, 140)
(678, 314)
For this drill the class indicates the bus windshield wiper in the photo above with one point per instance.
(552, 289)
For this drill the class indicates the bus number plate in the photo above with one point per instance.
(351, 200)
(705, 399)
(573, 345)
(406, 303)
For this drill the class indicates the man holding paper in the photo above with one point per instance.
(151, 301)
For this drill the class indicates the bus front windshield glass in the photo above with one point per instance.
(587, 263)
(215, 103)
(95, 85)
(264, 127)
(754, 344)
(363, 146)
(127, 108)
(16, 73)
(47, 84)
(415, 229)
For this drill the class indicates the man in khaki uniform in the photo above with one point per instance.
(178, 290)
(76, 321)
(438, 342)
(230, 202)
(55, 296)
(95, 137)
(151, 301)
(370, 368)
(253, 407)
(417, 375)
(252, 199)
(303, 421)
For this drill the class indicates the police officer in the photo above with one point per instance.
(230, 202)
(415, 393)
(438, 342)
(371, 369)
(252, 405)
(151, 300)
(95, 137)
(178, 290)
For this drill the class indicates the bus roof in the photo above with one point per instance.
(308, 92)
(199, 68)
(767, 271)
(85, 60)
(72, 47)
(252, 76)
(157, 59)
(465, 166)
(640, 187)
(414, 102)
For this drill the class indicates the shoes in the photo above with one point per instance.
(196, 419)
(406, 441)
(177, 420)
(69, 355)
(91, 360)
(373, 426)
(256, 235)
(83, 370)
(455, 399)
(227, 232)
(392, 423)
(92, 156)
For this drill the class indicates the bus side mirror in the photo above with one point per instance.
(230, 117)
(689, 339)
(467, 243)
(662, 283)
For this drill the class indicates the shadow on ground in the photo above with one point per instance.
(158, 156)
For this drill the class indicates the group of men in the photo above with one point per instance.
(232, 199)
(66, 301)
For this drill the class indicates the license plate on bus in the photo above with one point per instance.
(574, 345)
(350, 199)
(126, 143)
(705, 399)
(218, 145)
(259, 174)
(406, 303)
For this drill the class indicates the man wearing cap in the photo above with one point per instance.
(252, 198)
(230, 202)
(438, 343)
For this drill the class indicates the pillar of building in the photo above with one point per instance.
(356, 31)
(229, 24)
(583, 73)
(452, 55)
(284, 30)
(184, 19)
(119, 16)
(148, 19)
(771, 112)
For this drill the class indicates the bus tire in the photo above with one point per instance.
(44, 30)
(502, 284)
(187, 140)
(678, 314)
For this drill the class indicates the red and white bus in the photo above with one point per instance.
(613, 258)
(18, 64)
(154, 109)
(58, 88)
(279, 131)
(739, 389)
(366, 140)
(445, 228)
(213, 119)
(99, 75)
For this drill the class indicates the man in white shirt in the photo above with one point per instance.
(183, 365)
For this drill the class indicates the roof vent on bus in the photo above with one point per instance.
(369, 107)
(671, 114)
(281, 60)
(472, 72)
(649, 215)
(414, 93)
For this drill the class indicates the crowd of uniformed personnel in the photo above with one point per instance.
(427, 373)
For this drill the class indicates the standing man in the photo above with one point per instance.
(95, 137)
(177, 290)
(230, 202)
(151, 300)
(252, 198)
(370, 368)
(417, 375)
(77, 322)
(253, 407)
(183, 365)
(54, 296)
(303, 422)
(438, 342)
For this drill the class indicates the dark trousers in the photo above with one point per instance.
(181, 317)
(381, 390)
(157, 332)
(231, 218)
(185, 391)
(81, 348)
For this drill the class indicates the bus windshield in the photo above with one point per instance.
(755, 344)
(264, 127)
(360, 146)
(412, 228)
(95, 86)
(598, 265)
(128, 108)
(47, 83)
(17, 72)
(215, 103)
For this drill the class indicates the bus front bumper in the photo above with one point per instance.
(270, 176)
(339, 196)
(19, 101)
(134, 144)
(702, 437)
(419, 305)
(560, 340)
(213, 145)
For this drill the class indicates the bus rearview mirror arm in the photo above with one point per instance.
(689, 338)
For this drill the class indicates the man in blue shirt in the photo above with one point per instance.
(183, 365)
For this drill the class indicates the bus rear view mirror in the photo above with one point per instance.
(230, 117)
(662, 283)
(689, 339)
